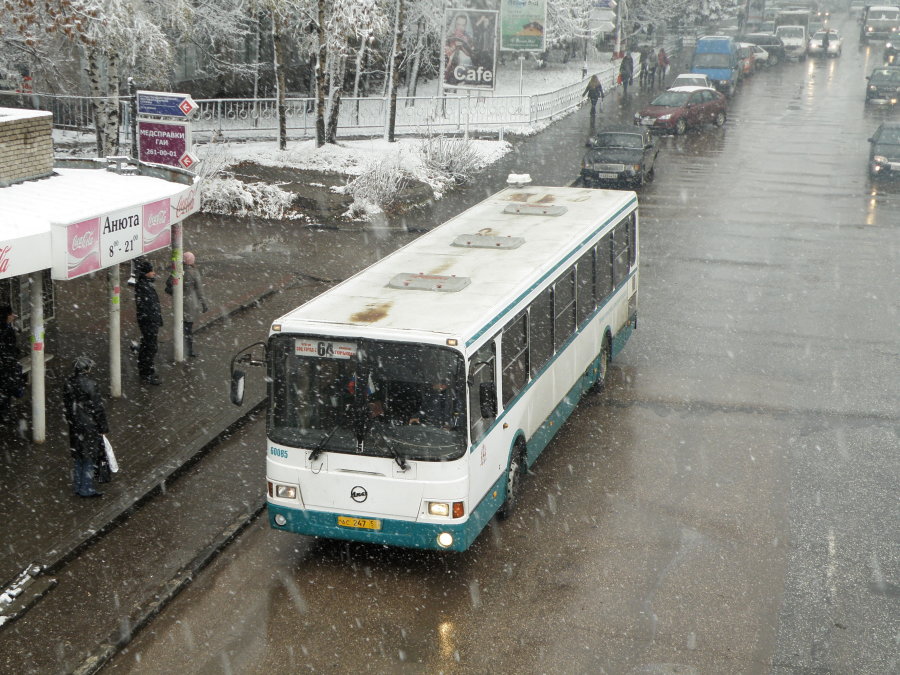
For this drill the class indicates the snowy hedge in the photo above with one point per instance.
(377, 188)
(454, 159)
(228, 196)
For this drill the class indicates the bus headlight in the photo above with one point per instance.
(285, 491)
(446, 509)
(438, 509)
(445, 540)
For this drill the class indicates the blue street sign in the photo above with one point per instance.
(165, 104)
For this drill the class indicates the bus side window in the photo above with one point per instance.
(603, 253)
(481, 371)
(563, 308)
(585, 301)
(620, 253)
(632, 236)
(540, 330)
(514, 353)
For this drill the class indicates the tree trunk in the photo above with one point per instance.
(413, 81)
(337, 89)
(278, 43)
(94, 76)
(360, 60)
(321, 60)
(112, 102)
(395, 71)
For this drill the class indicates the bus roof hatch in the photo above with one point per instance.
(429, 282)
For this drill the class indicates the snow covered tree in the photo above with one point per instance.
(115, 39)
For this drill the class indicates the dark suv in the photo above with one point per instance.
(619, 154)
(884, 150)
(771, 43)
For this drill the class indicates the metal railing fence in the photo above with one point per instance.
(366, 116)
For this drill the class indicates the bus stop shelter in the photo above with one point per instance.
(88, 217)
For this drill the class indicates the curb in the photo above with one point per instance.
(167, 592)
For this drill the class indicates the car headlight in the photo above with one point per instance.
(888, 45)
(872, 87)
(665, 117)
(880, 159)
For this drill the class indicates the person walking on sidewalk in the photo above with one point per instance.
(662, 65)
(149, 318)
(86, 417)
(11, 378)
(626, 71)
(594, 91)
(194, 300)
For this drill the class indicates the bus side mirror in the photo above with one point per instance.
(487, 397)
(237, 386)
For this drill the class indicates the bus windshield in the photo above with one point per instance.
(385, 399)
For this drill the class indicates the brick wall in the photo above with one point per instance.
(26, 145)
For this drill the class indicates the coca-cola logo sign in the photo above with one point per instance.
(83, 250)
(186, 204)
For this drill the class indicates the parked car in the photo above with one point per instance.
(817, 40)
(691, 80)
(884, 85)
(679, 108)
(762, 56)
(747, 58)
(716, 56)
(884, 150)
(770, 42)
(620, 154)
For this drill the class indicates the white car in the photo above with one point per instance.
(691, 80)
(834, 43)
(762, 56)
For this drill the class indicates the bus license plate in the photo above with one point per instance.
(359, 523)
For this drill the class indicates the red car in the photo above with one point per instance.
(678, 108)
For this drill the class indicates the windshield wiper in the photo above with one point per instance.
(320, 446)
(400, 459)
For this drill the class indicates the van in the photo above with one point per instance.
(716, 56)
(879, 22)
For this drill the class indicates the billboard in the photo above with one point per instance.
(470, 49)
(522, 25)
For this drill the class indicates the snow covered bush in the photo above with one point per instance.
(228, 196)
(377, 188)
(454, 159)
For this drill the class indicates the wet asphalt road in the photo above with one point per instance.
(728, 504)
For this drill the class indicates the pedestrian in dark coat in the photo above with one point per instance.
(10, 369)
(149, 318)
(594, 91)
(86, 417)
(626, 71)
(194, 300)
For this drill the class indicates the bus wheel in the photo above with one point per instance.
(515, 479)
(604, 365)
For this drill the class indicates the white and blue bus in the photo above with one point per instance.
(407, 403)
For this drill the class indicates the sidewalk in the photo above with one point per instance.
(155, 431)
